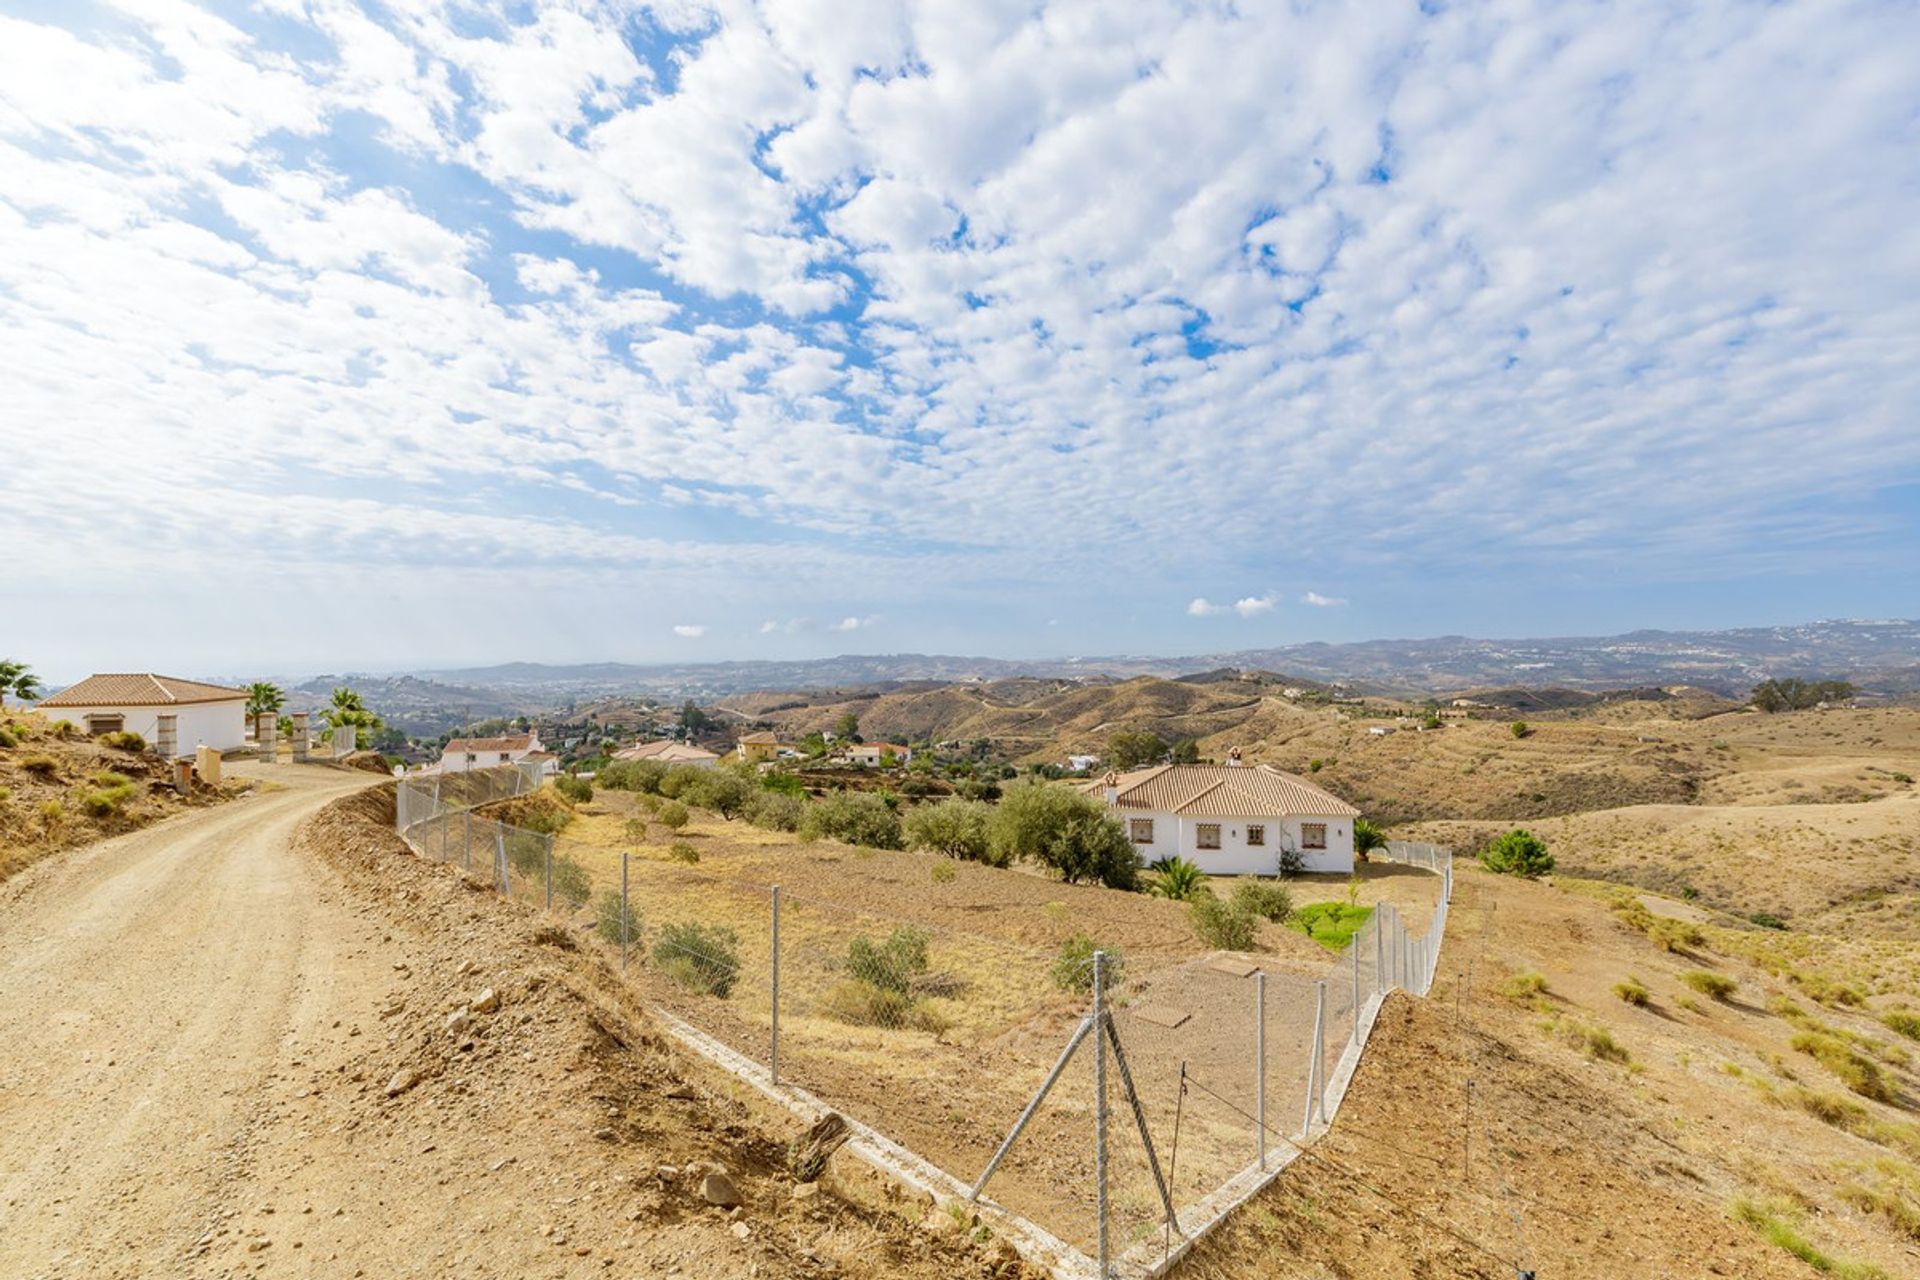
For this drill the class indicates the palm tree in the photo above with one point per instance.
(1367, 838)
(348, 711)
(263, 697)
(18, 679)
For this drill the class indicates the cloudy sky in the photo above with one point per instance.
(420, 331)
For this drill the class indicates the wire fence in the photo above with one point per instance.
(947, 1041)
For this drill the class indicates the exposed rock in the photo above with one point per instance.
(403, 1080)
(486, 1002)
(457, 1021)
(806, 1190)
(741, 1230)
(717, 1188)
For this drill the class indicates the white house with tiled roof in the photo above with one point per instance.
(462, 754)
(667, 752)
(205, 715)
(1230, 819)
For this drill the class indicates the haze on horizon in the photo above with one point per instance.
(339, 337)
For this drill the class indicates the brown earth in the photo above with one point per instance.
(51, 772)
(226, 1048)
(1480, 1138)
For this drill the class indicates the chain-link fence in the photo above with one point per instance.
(945, 1040)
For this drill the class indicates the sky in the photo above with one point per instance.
(423, 333)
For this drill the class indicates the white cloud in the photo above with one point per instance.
(1319, 601)
(851, 623)
(1398, 292)
(1254, 606)
(689, 631)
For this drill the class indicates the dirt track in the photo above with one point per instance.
(153, 988)
(242, 1043)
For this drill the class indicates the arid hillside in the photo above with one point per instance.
(60, 789)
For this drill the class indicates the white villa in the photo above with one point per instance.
(1230, 819)
(463, 754)
(875, 754)
(205, 715)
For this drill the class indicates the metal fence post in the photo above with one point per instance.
(773, 1047)
(1260, 1061)
(466, 828)
(624, 916)
(1100, 1102)
(1354, 946)
(549, 852)
(1379, 950)
(1313, 1060)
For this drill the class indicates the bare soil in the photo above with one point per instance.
(225, 1050)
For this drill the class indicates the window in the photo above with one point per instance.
(505, 758)
(97, 725)
(1256, 834)
(1140, 830)
(1313, 835)
(1209, 835)
(471, 758)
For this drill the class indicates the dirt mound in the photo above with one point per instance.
(584, 1140)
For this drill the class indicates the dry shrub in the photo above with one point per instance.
(1860, 1074)
(1633, 991)
(1708, 983)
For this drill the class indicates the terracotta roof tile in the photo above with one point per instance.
(523, 742)
(1223, 791)
(139, 689)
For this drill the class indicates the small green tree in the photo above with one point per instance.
(17, 678)
(1517, 853)
(857, 817)
(264, 698)
(673, 815)
(1131, 748)
(1185, 751)
(1521, 729)
(956, 828)
(1073, 966)
(1062, 828)
(847, 727)
(1221, 925)
(573, 787)
(1367, 836)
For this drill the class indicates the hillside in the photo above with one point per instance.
(59, 790)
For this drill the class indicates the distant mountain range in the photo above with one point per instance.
(1881, 655)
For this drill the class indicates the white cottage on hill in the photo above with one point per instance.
(1230, 819)
(205, 715)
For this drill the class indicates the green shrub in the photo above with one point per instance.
(1178, 879)
(527, 853)
(109, 778)
(862, 1004)
(1774, 1221)
(955, 828)
(1524, 986)
(1316, 764)
(632, 775)
(891, 965)
(1073, 966)
(572, 886)
(53, 814)
(577, 789)
(1220, 925)
(547, 822)
(723, 789)
(681, 780)
(681, 851)
(1860, 1074)
(1633, 991)
(776, 811)
(856, 817)
(703, 958)
(1065, 829)
(7, 740)
(1595, 1041)
(1331, 924)
(1264, 899)
(1674, 935)
(66, 730)
(106, 801)
(1708, 983)
(123, 741)
(1517, 853)
(673, 815)
(1520, 729)
(608, 919)
(41, 766)
(1904, 1021)
(1767, 920)
(943, 871)
(635, 830)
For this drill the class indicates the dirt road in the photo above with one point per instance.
(152, 989)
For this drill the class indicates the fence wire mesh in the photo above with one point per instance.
(940, 1038)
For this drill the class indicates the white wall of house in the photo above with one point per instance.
(461, 761)
(1237, 856)
(220, 725)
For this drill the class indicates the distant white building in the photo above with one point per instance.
(1080, 764)
(875, 754)
(670, 753)
(463, 754)
(205, 715)
(1230, 819)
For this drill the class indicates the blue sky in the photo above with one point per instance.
(371, 335)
